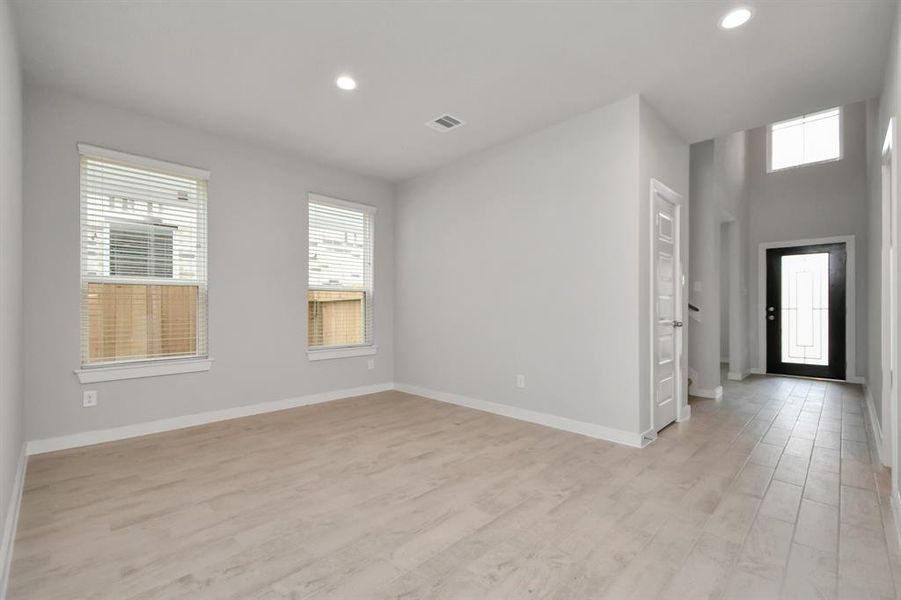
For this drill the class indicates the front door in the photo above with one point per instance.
(667, 321)
(805, 310)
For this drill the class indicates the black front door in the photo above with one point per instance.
(805, 310)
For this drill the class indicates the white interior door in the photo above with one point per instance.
(667, 318)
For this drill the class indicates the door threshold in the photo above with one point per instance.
(808, 377)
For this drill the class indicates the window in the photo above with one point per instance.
(143, 259)
(805, 140)
(805, 309)
(339, 291)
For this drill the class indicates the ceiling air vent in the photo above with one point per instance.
(444, 123)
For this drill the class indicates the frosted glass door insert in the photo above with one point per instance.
(805, 309)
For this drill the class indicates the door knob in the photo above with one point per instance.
(771, 317)
(772, 308)
(677, 323)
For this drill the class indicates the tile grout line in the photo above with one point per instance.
(791, 541)
(734, 563)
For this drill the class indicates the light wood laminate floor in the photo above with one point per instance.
(772, 492)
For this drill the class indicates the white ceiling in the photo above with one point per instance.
(265, 71)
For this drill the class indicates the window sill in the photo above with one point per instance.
(329, 353)
(770, 170)
(138, 370)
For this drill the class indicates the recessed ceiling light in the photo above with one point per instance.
(346, 83)
(736, 18)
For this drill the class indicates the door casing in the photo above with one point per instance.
(836, 369)
(850, 300)
(891, 272)
(683, 411)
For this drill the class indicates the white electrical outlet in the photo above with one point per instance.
(370, 364)
(89, 398)
(520, 381)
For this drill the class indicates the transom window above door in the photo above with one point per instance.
(805, 140)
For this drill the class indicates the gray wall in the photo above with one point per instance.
(725, 274)
(257, 271)
(719, 183)
(11, 397)
(530, 254)
(664, 156)
(811, 202)
(503, 268)
(732, 161)
(881, 110)
(701, 333)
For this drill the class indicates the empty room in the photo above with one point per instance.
(438, 299)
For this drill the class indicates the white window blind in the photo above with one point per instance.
(339, 291)
(805, 140)
(143, 259)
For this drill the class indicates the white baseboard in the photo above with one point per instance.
(12, 519)
(684, 414)
(589, 429)
(716, 393)
(877, 429)
(89, 438)
(737, 376)
(757, 371)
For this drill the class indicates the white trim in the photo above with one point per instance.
(12, 521)
(142, 369)
(825, 161)
(142, 161)
(877, 429)
(330, 353)
(88, 438)
(856, 379)
(592, 430)
(681, 303)
(890, 298)
(716, 393)
(338, 203)
(731, 376)
(757, 371)
(850, 298)
(648, 437)
(685, 414)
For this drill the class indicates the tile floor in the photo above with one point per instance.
(772, 492)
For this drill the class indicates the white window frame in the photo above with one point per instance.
(368, 348)
(841, 141)
(145, 367)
